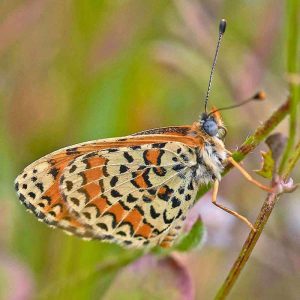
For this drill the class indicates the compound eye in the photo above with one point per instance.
(210, 127)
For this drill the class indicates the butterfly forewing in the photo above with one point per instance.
(131, 191)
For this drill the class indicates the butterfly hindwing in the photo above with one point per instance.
(132, 195)
(129, 190)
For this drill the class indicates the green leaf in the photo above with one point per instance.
(193, 238)
(268, 165)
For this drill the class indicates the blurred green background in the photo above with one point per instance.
(72, 71)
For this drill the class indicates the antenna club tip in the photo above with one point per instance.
(222, 26)
(261, 95)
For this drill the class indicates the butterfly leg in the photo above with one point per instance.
(248, 176)
(232, 212)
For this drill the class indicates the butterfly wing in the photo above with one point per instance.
(131, 190)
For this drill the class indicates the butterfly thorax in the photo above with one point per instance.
(211, 155)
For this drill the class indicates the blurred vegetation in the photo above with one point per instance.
(74, 71)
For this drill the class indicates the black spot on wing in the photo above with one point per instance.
(175, 202)
(139, 209)
(165, 218)
(124, 205)
(187, 197)
(181, 190)
(127, 243)
(54, 172)
(75, 201)
(123, 169)
(114, 180)
(40, 186)
(87, 215)
(73, 168)
(102, 226)
(22, 198)
(146, 199)
(86, 162)
(178, 167)
(153, 212)
(179, 214)
(32, 195)
(104, 170)
(152, 191)
(69, 185)
(115, 194)
(131, 198)
(190, 186)
(121, 233)
(135, 147)
(101, 185)
(128, 157)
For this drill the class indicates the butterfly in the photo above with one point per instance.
(135, 190)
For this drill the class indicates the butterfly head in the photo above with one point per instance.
(212, 124)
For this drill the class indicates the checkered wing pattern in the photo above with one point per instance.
(133, 194)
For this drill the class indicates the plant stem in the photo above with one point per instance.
(293, 8)
(262, 131)
(292, 162)
(253, 237)
(289, 158)
(248, 246)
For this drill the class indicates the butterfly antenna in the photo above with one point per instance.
(222, 28)
(259, 96)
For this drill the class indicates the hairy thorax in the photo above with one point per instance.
(211, 157)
